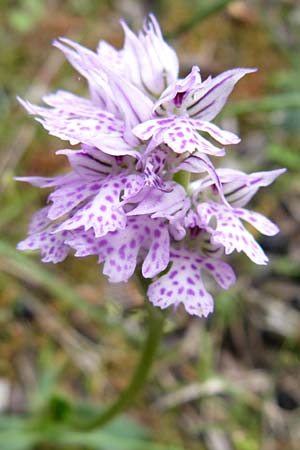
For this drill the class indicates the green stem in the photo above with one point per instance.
(127, 397)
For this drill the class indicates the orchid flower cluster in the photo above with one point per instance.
(128, 198)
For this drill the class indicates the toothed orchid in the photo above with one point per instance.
(123, 200)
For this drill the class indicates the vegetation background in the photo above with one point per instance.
(70, 340)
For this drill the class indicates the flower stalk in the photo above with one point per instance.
(126, 398)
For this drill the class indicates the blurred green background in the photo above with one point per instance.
(68, 338)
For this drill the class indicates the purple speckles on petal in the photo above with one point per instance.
(132, 243)
(51, 246)
(173, 274)
(191, 292)
(235, 236)
(121, 251)
(95, 187)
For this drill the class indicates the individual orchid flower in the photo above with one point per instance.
(187, 107)
(229, 231)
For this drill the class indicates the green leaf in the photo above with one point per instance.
(121, 434)
(14, 435)
(102, 440)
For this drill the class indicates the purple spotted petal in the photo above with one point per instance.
(39, 221)
(99, 129)
(102, 212)
(178, 133)
(69, 105)
(153, 167)
(222, 136)
(140, 234)
(85, 243)
(258, 221)
(184, 284)
(51, 246)
(70, 195)
(134, 189)
(143, 239)
(65, 107)
(230, 231)
(158, 241)
(182, 137)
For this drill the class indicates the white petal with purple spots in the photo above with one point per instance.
(143, 240)
(180, 134)
(52, 246)
(88, 125)
(184, 284)
(39, 221)
(102, 212)
(69, 196)
(258, 221)
(229, 231)
(222, 136)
